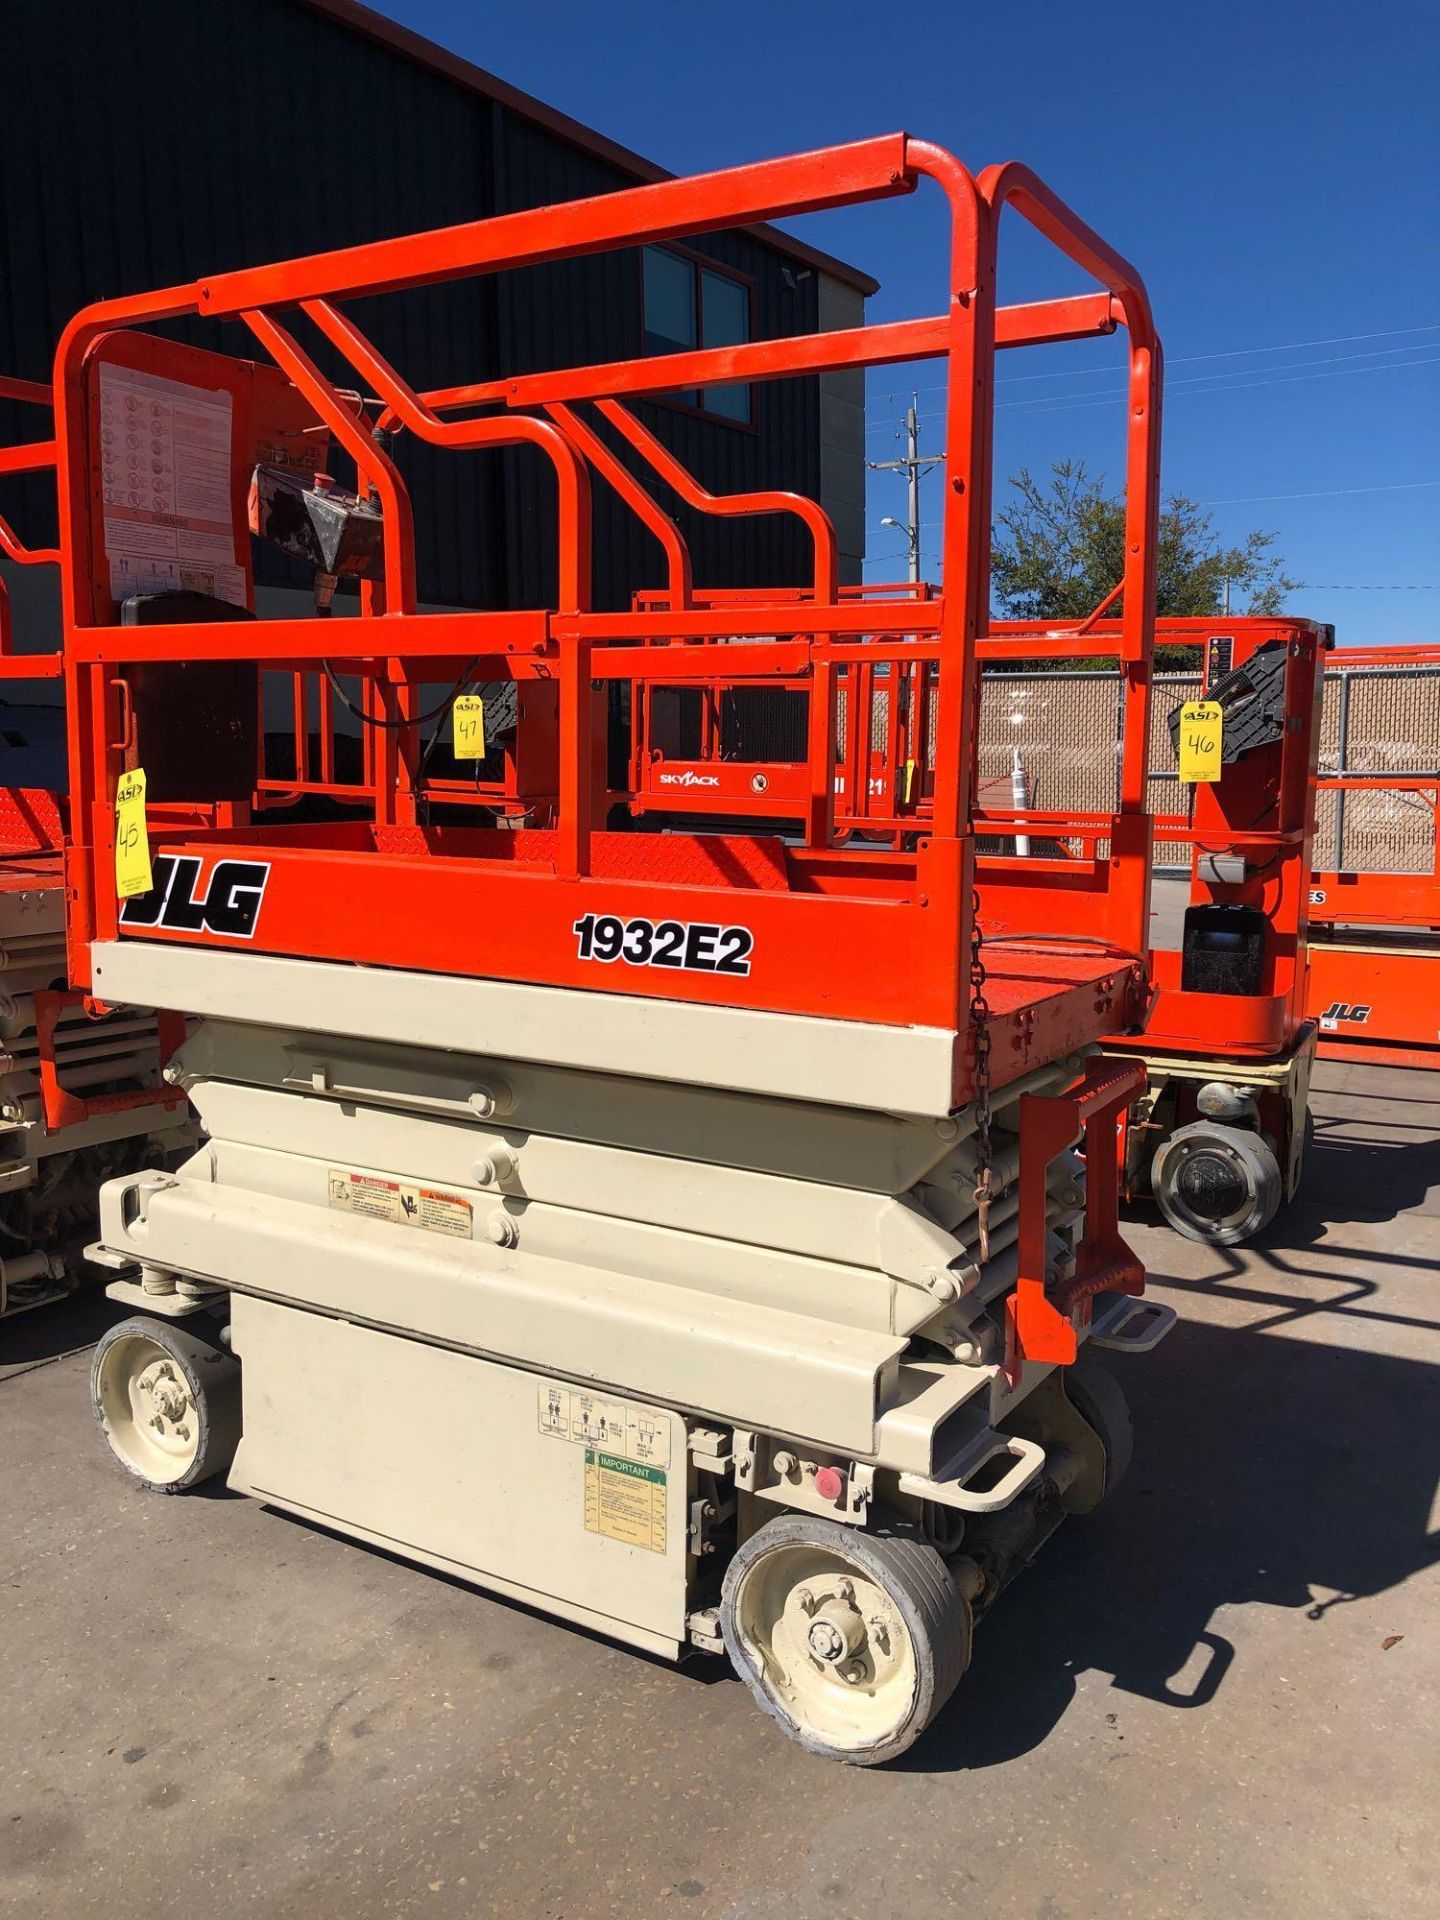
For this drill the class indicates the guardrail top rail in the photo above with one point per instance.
(817, 928)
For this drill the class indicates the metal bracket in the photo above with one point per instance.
(66, 1109)
(1043, 1322)
(950, 1488)
(703, 1627)
(1151, 1322)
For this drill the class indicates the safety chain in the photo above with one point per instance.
(980, 1022)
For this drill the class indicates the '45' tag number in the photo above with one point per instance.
(691, 945)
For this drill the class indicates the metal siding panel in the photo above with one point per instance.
(198, 139)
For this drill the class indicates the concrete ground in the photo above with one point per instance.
(1215, 1698)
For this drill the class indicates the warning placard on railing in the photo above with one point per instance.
(166, 482)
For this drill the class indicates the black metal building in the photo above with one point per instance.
(148, 142)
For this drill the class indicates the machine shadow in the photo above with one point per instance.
(60, 1327)
(1352, 1177)
(1248, 1487)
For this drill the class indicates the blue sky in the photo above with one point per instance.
(1273, 169)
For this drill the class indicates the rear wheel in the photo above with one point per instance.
(168, 1403)
(852, 1641)
(1216, 1184)
(1096, 1396)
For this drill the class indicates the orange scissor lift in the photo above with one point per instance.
(80, 1099)
(743, 1227)
(1375, 946)
(1218, 1137)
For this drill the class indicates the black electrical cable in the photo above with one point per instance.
(423, 764)
(411, 720)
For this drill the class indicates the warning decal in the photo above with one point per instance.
(624, 1501)
(397, 1201)
(165, 476)
(615, 1426)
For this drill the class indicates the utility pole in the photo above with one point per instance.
(912, 466)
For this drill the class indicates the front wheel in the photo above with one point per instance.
(168, 1403)
(852, 1641)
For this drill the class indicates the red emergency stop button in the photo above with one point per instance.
(830, 1484)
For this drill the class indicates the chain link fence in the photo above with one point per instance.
(1375, 720)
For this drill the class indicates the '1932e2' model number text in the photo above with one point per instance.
(690, 944)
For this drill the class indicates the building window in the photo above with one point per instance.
(688, 305)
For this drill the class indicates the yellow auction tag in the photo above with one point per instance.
(1202, 731)
(132, 842)
(909, 782)
(469, 714)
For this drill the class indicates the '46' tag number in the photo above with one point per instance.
(692, 945)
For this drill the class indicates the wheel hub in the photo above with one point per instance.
(837, 1632)
(163, 1402)
(1213, 1184)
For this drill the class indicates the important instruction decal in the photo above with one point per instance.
(404, 1205)
(166, 483)
(624, 1501)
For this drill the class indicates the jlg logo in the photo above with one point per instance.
(1339, 1010)
(230, 904)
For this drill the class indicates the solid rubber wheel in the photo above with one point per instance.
(851, 1640)
(1098, 1398)
(168, 1403)
(1219, 1185)
(1307, 1151)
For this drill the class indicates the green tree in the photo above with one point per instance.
(1060, 548)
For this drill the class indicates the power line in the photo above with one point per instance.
(1249, 386)
(1193, 359)
(1245, 373)
(1323, 493)
(1246, 353)
(1184, 389)
(1368, 586)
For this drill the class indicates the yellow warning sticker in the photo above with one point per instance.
(132, 842)
(624, 1501)
(469, 717)
(397, 1201)
(1202, 733)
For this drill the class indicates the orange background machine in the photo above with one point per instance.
(1375, 937)
(81, 1098)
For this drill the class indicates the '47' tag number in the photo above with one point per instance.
(693, 945)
